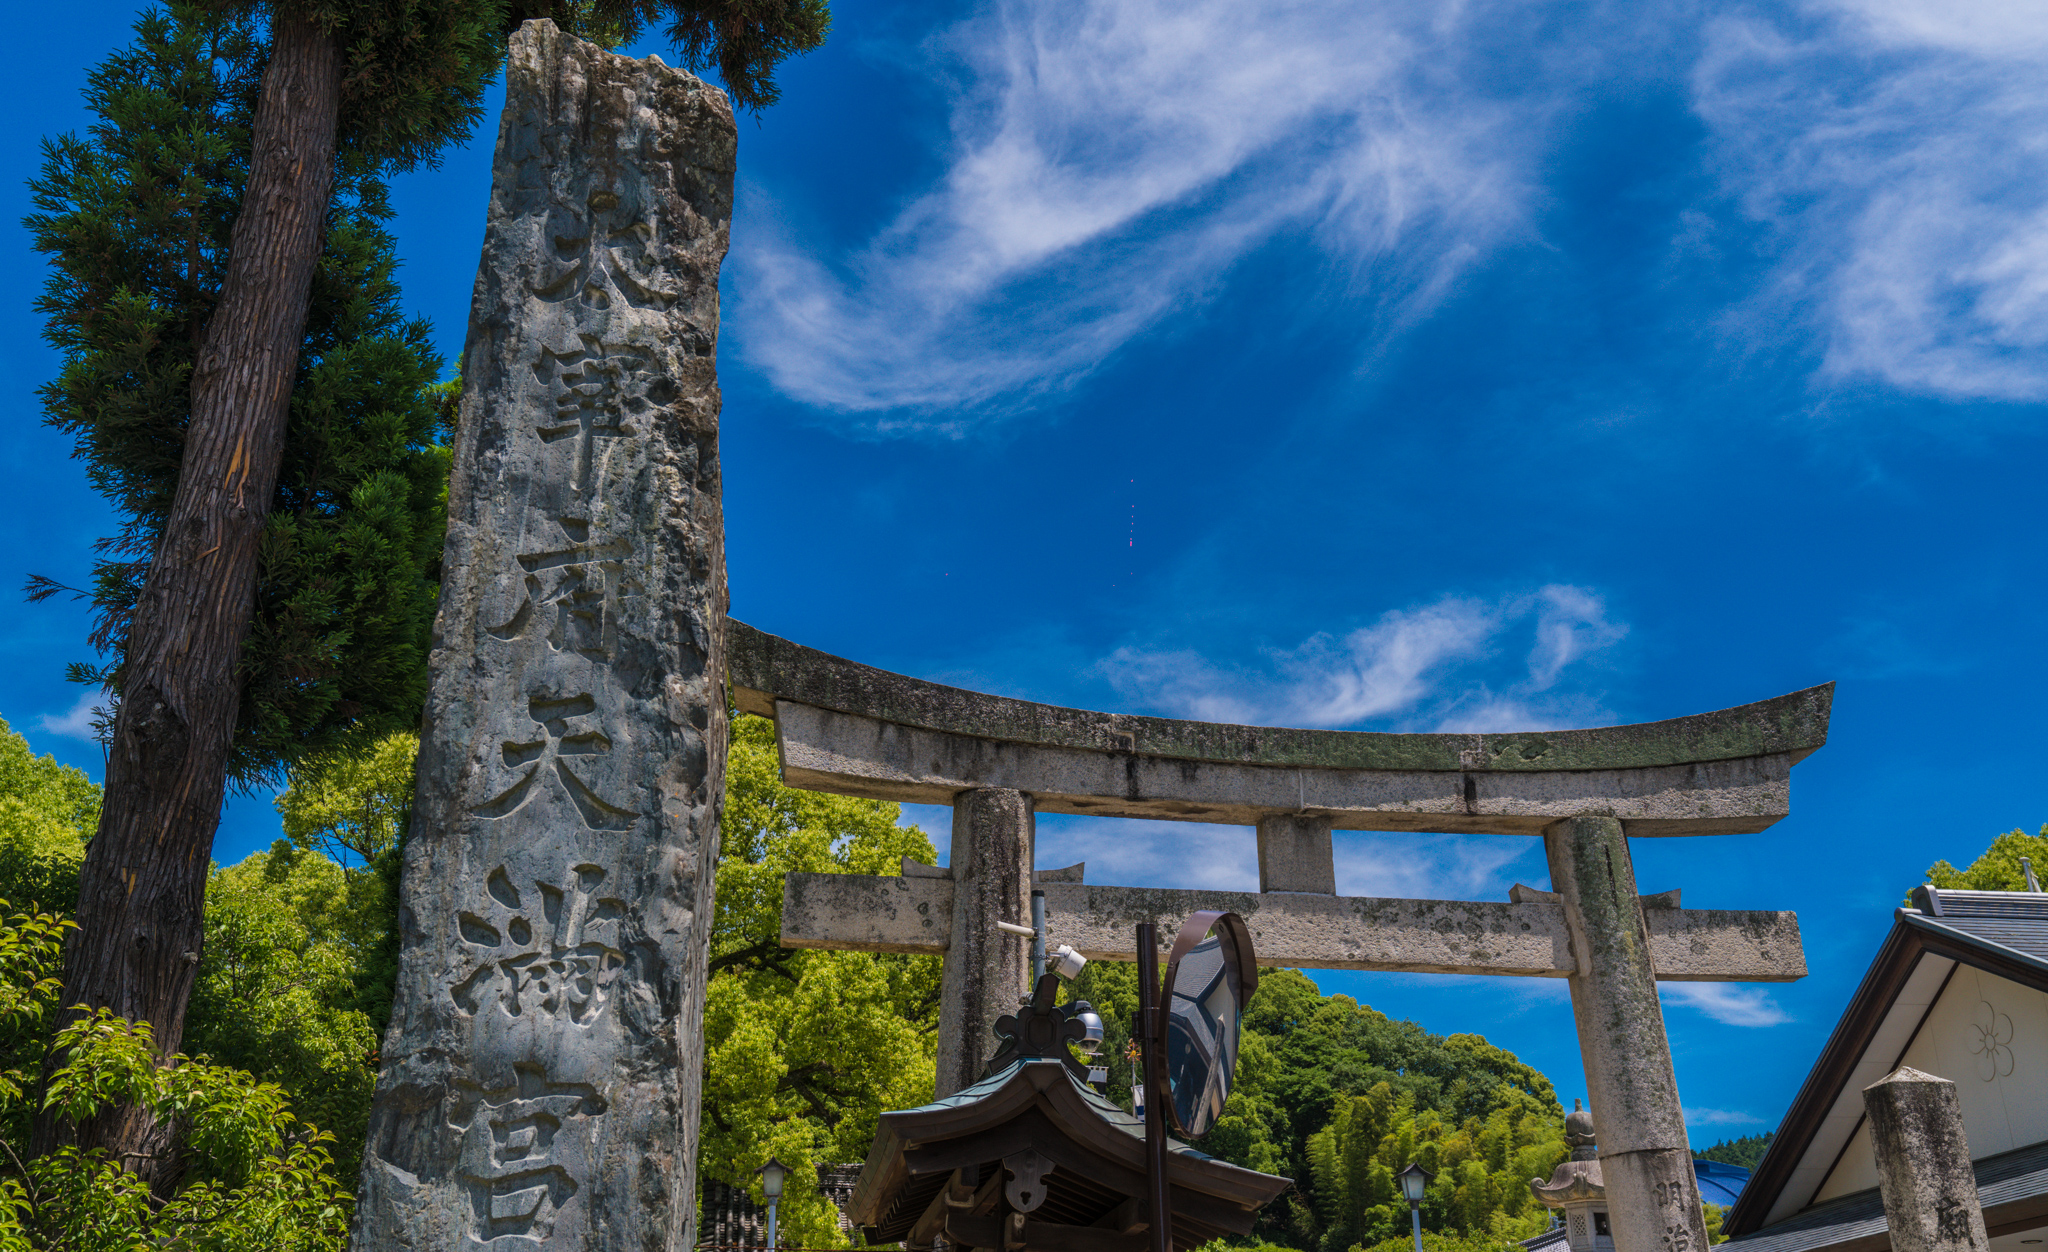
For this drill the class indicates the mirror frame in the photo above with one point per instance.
(1238, 959)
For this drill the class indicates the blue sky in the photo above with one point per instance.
(1410, 366)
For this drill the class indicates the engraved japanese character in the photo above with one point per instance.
(550, 755)
(585, 584)
(566, 971)
(598, 391)
(508, 1160)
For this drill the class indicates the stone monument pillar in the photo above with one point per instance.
(1645, 1158)
(541, 1072)
(986, 969)
(1923, 1164)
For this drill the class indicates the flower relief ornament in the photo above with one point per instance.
(1992, 1042)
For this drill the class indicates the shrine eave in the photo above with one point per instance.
(1097, 1150)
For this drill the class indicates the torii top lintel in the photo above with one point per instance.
(856, 730)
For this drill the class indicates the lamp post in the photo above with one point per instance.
(772, 1173)
(1415, 1181)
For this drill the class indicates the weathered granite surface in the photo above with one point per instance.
(1299, 929)
(1924, 1173)
(1653, 1197)
(851, 754)
(1296, 854)
(765, 668)
(540, 1077)
(986, 969)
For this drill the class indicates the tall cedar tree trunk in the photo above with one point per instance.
(143, 884)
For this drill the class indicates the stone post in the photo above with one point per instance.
(986, 969)
(541, 1071)
(1923, 1164)
(1653, 1200)
(1295, 854)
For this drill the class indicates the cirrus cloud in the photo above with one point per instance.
(1896, 149)
(1456, 664)
(1109, 162)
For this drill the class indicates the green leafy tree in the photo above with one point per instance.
(353, 804)
(802, 1049)
(281, 990)
(31, 944)
(1998, 867)
(294, 981)
(46, 812)
(1433, 1241)
(1715, 1214)
(255, 1176)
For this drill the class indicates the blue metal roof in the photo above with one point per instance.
(1719, 1184)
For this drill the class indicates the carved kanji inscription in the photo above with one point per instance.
(559, 964)
(512, 1163)
(564, 731)
(575, 592)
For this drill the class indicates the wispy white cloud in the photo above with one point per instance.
(1144, 853)
(1720, 1117)
(1436, 867)
(1726, 1003)
(1459, 663)
(1900, 149)
(1129, 852)
(75, 722)
(1110, 161)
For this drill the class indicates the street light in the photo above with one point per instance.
(1415, 1181)
(772, 1173)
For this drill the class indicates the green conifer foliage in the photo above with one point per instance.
(135, 216)
(1746, 1152)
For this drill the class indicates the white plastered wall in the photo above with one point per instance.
(1989, 1037)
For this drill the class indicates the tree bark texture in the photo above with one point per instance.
(143, 885)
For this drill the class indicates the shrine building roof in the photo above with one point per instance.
(1093, 1193)
(1960, 975)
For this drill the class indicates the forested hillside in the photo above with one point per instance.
(1744, 1152)
(1339, 1096)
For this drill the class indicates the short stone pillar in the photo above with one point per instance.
(1575, 1188)
(986, 969)
(1645, 1157)
(1295, 854)
(1923, 1164)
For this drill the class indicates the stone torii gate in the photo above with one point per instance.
(851, 729)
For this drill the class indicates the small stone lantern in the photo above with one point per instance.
(1575, 1187)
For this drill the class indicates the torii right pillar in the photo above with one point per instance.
(1653, 1199)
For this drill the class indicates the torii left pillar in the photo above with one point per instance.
(994, 830)
(1653, 1198)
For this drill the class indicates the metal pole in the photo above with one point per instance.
(1037, 936)
(1415, 1214)
(771, 1224)
(1155, 1095)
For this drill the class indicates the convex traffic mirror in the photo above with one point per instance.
(1210, 976)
